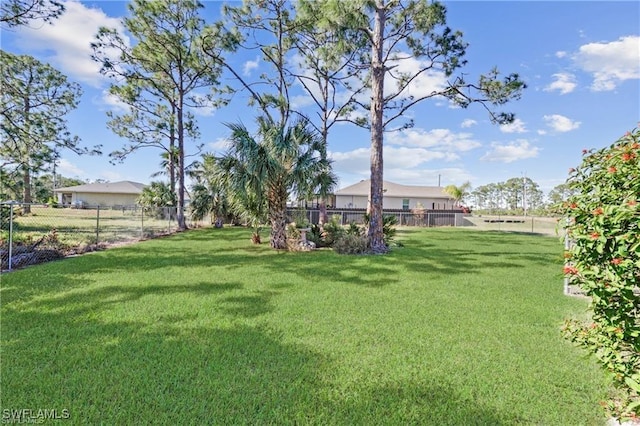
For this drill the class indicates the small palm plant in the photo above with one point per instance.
(278, 162)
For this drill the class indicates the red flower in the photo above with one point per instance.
(573, 205)
(635, 146)
(616, 261)
(632, 203)
(584, 151)
(595, 235)
(598, 211)
(612, 169)
(570, 270)
(628, 156)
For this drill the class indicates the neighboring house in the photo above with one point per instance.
(109, 194)
(396, 197)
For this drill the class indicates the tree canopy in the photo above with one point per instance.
(36, 99)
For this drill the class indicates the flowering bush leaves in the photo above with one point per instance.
(604, 261)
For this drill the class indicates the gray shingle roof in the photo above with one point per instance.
(123, 187)
(396, 190)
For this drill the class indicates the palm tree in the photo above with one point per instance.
(209, 195)
(458, 192)
(279, 162)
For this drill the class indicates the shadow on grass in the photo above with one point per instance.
(126, 372)
(444, 252)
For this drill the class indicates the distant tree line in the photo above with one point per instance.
(518, 195)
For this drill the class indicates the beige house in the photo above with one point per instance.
(396, 197)
(108, 194)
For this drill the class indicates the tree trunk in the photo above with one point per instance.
(376, 237)
(322, 207)
(172, 152)
(182, 225)
(322, 202)
(26, 198)
(278, 219)
(26, 177)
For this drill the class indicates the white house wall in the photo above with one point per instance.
(102, 200)
(393, 203)
(351, 202)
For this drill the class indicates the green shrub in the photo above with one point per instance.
(332, 231)
(351, 244)
(389, 223)
(604, 261)
(354, 229)
(315, 236)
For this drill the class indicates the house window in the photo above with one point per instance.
(405, 204)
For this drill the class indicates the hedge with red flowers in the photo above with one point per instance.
(604, 261)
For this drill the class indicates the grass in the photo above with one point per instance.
(458, 327)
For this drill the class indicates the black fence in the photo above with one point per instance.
(426, 218)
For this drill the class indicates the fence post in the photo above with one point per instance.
(142, 223)
(10, 234)
(98, 225)
(532, 225)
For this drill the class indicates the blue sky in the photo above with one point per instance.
(581, 61)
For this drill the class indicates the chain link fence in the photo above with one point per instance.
(46, 233)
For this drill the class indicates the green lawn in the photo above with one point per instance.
(458, 327)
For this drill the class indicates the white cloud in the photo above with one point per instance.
(560, 123)
(66, 168)
(412, 166)
(249, 66)
(610, 63)
(564, 83)
(437, 139)
(203, 105)
(66, 42)
(561, 54)
(301, 101)
(113, 103)
(220, 144)
(358, 160)
(516, 127)
(423, 85)
(513, 151)
(542, 132)
(428, 177)
(468, 123)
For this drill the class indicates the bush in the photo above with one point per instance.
(604, 261)
(354, 229)
(315, 236)
(389, 223)
(332, 230)
(351, 244)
